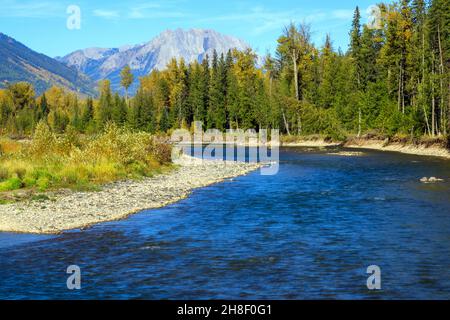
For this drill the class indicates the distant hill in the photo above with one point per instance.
(19, 63)
(194, 44)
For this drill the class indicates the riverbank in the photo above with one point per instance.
(311, 143)
(435, 148)
(74, 210)
(420, 148)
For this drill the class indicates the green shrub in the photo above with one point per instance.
(11, 184)
(29, 182)
(43, 183)
(137, 169)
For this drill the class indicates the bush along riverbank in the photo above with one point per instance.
(49, 162)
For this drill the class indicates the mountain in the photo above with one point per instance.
(19, 63)
(194, 44)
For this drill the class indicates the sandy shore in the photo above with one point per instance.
(118, 200)
(311, 143)
(435, 151)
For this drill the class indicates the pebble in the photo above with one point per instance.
(74, 210)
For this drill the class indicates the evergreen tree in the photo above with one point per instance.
(119, 110)
(87, 118)
(42, 110)
(355, 44)
(104, 113)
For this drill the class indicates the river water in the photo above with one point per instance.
(309, 232)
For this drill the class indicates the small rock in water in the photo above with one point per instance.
(347, 153)
(431, 180)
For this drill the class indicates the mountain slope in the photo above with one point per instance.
(190, 45)
(19, 63)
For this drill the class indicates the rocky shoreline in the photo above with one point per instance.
(75, 210)
(434, 150)
(408, 148)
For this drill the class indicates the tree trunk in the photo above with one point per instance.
(399, 90)
(359, 122)
(433, 109)
(299, 119)
(126, 96)
(441, 80)
(448, 110)
(294, 60)
(270, 86)
(286, 124)
(425, 112)
(402, 87)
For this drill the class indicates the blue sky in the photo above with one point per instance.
(41, 24)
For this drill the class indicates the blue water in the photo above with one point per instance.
(308, 232)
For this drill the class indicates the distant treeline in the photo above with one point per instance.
(394, 79)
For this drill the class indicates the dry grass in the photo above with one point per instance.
(72, 161)
(8, 146)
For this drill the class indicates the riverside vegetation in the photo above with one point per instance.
(70, 160)
(393, 82)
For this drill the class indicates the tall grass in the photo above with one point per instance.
(70, 160)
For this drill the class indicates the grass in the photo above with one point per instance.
(11, 184)
(8, 146)
(51, 161)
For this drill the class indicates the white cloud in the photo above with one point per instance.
(31, 9)
(261, 20)
(344, 14)
(139, 14)
(107, 14)
(156, 10)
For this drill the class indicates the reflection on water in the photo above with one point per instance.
(308, 232)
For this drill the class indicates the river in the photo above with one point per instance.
(309, 232)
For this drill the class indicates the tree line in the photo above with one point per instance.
(393, 79)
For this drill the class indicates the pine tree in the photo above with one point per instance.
(215, 94)
(104, 113)
(327, 74)
(75, 121)
(119, 110)
(355, 43)
(204, 89)
(87, 118)
(439, 28)
(42, 110)
(195, 92)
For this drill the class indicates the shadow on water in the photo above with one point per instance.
(308, 232)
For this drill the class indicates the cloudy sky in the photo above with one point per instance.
(42, 25)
